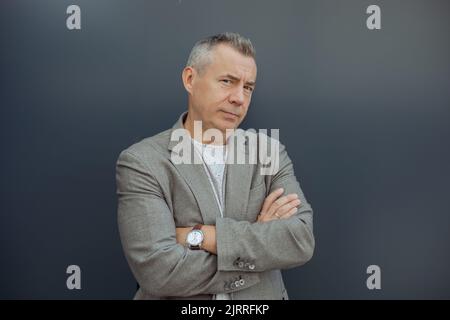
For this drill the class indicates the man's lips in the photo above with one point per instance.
(231, 114)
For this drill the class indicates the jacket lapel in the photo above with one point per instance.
(237, 183)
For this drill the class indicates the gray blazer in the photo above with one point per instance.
(155, 196)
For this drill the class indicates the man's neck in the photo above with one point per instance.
(189, 126)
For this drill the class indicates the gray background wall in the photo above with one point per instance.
(365, 116)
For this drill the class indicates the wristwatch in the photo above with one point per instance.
(195, 237)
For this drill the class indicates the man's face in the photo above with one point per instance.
(220, 95)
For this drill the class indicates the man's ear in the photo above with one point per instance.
(188, 76)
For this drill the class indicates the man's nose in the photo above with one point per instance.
(237, 96)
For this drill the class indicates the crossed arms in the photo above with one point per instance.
(164, 267)
(276, 206)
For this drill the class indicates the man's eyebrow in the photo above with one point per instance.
(252, 83)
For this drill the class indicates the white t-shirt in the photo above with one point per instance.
(214, 159)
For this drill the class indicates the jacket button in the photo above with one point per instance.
(237, 284)
(241, 264)
(242, 282)
(251, 267)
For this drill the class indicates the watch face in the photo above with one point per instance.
(195, 237)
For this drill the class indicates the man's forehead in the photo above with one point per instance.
(226, 60)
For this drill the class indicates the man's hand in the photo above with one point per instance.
(278, 207)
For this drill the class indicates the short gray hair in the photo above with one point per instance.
(200, 53)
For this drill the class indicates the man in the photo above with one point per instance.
(211, 229)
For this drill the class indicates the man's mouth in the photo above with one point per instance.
(231, 114)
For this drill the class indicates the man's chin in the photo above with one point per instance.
(224, 125)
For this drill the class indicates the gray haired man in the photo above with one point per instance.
(211, 229)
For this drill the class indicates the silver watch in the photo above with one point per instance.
(195, 238)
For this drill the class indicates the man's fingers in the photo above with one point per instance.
(289, 214)
(270, 199)
(287, 208)
(282, 201)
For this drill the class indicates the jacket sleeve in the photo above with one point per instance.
(148, 235)
(277, 244)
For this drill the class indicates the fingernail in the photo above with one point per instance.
(280, 190)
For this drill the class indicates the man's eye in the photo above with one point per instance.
(249, 89)
(226, 81)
